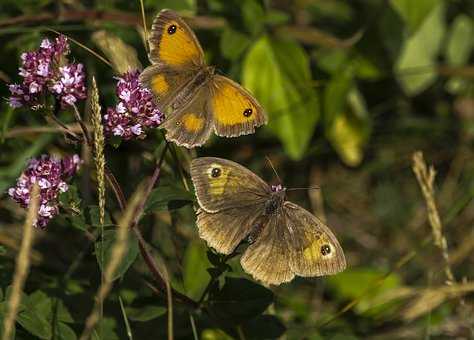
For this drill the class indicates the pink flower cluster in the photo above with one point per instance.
(50, 174)
(135, 111)
(46, 71)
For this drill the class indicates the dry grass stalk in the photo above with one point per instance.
(99, 144)
(22, 264)
(118, 251)
(99, 159)
(425, 179)
(123, 56)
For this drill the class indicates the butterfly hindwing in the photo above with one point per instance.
(222, 184)
(173, 43)
(267, 259)
(189, 125)
(313, 248)
(234, 110)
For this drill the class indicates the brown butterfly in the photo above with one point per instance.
(285, 239)
(199, 100)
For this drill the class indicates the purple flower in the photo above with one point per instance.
(50, 174)
(135, 112)
(46, 71)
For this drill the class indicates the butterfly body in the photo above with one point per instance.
(195, 100)
(285, 239)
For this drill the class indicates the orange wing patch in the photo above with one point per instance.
(178, 46)
(234, 110)
(159, 85)
(192, 122)
(232, 107)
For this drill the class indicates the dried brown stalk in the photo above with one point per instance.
(425, 177)
(22, 264)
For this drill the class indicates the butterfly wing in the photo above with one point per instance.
(225, 229)
(189, 125)
(222, 184)
(166, 82)
(267, 259)
(173, 43)
(234, 110)
(314, 250)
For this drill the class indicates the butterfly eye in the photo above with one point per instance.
(247, 112)
(172, 29)
(325, 250)
(215, 172)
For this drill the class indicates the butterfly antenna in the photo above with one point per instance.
(308, 188)
(274, 170)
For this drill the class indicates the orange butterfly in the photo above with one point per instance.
(194, 99)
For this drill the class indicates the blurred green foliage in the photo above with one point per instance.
(352, 89)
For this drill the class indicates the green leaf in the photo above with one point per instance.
(145, 313)
(35, 323)
(277, 72)
(460, 41)
(349, 131)
(94, 214)
(233, 43)
(21, 160)
(263, 327)
(64, 332)
(214, 334)
(239, 300)
(252, 14)
(6, 123)
(352, 283)
(70, 198)
(105, 329)
(414, 13)
(195, 276)
(415, 68)
(168, 197)
(106, 247)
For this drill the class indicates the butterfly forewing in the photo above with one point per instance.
(225, 229)
(313, 248)
(235, 112)
(173, 43)
(166, 83)
(222, 184)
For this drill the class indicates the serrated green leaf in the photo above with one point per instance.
(106, 247)
(239, 300)
(416, 66)
(414, 13)
(145, 313)
(168, 197)
(277, 72)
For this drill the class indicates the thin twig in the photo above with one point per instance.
(425, 179)
(22, 264)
